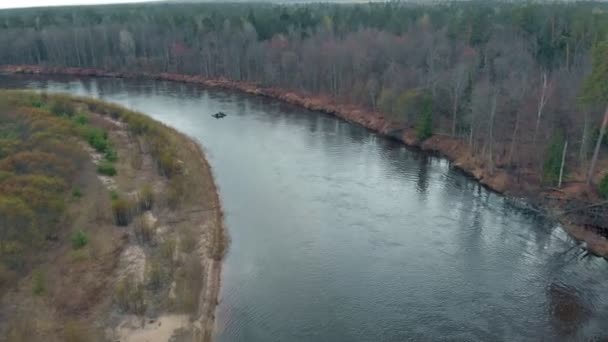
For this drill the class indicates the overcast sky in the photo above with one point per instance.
(38, 3)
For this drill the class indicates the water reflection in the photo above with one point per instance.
(568, 310)
(422, 182)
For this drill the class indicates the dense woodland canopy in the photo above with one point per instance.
(506, 77)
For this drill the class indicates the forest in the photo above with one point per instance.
(518, 82)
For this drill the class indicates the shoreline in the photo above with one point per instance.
(216, 249)
(455, 150)
(211, 250)
(211, 241)
(212, 244)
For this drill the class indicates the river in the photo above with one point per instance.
(339, 234)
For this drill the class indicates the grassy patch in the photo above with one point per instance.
(110, 155)
(167, 249)
(75, 331)
(79, 239)
(97, 138)
(76, 193)
(81, 119)
(129, 296)
(39, 285)
(80, 255)
(189, 282)
(106, 168)
(62, 105)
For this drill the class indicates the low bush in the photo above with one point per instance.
(424, 128)
(129, 296)
(76, 193)
(37, 103)
(155, 275)
(62, 105)
(114, 195)
(106, 168)
(188, 283)
(110, 154)
(123, 211)
(553, 160)
(38, 287)
(97, 138)
(81, 119)
(79, 239)
(144, 230)
(146, 198)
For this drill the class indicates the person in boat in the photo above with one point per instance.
(219, 115)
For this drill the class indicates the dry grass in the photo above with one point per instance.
(155, 175)
(129, 296)
(189, 283)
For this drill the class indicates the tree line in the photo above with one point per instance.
(516, 81)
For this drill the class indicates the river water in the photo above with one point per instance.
(339, 234)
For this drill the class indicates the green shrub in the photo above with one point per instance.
(98, 139)
(81, 119)
(37, 103)
(114, 195)
(553, 160)
(39, 284)
(76, 193)
(110, 154)
(79, 239)
(604, 186)
(424, 127)
(106, 168)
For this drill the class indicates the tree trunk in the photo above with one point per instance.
(561, 168)
(514, 138)
(541, 106)
(491, 133)
(454, 113)
(598, 144)
(583, 152)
